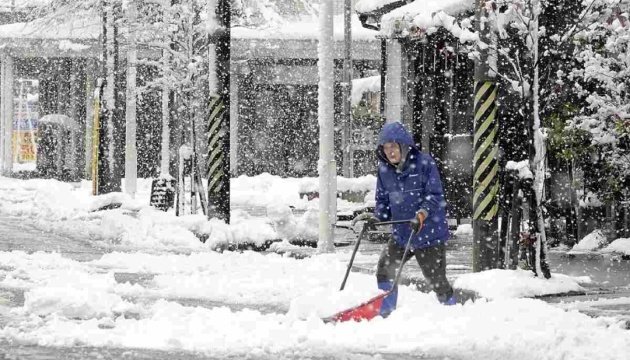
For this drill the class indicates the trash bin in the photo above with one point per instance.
(163, 193)
(57, 147)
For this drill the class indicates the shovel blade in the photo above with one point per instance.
(366, 311)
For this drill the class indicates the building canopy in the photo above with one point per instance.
(404, 18)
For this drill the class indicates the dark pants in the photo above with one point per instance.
(432, 261)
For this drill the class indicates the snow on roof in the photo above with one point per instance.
(291, 20)
(81, 26)
(427, 15)
(366, 6)
(260, 19)
(364, 85)
(8, 5)
(61, 120)
(305, 29)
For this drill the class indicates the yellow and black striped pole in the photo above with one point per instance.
(485, 177)
(486, 166)
(485, 162)
(219, 120)
(218, 175)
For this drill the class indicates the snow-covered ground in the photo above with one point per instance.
(259, 305)
(70, 303)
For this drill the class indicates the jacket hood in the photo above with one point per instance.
(395, 132)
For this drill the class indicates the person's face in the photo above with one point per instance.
(392, 152)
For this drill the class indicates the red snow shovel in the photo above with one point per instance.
(371, 308)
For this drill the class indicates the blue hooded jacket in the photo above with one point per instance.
(411, 187)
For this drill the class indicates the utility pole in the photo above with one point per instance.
(165, 153)
(327, 165)
(103, 172)
(219, 122)
(111, 157)
(6, 113)
(131, 151)
(485, 164)
(347, 150)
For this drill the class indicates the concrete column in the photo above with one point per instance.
(348, 157)
(6, 114)
(327, 165)
(131, 124)
(394, 83)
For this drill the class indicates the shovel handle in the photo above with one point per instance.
(354, 253)
(402, 261)
(395, 222)
(356, 248)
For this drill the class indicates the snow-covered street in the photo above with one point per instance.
(65, 291)
(315, 179)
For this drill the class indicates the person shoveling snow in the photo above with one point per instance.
(409, 186)
(409, 194)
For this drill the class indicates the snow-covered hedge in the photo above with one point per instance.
(261, 212)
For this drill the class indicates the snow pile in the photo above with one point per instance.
(521, 167)
(232, 278)
(619, 246)
(591, 242)
(266, 189)
(60, 287)
(70, 209)
(48, 199)
(302, 307)
(73, 303)
(289, 226)
(464, 230)
(496, 284)
(482, 331)
(598, 303)
(308, 289)
(363, 86)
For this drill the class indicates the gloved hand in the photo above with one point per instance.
(367, 217)
(418, 222)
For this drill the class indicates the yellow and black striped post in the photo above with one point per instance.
(485, 178)
(219, 121)
(486, 166)
(218, 175)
